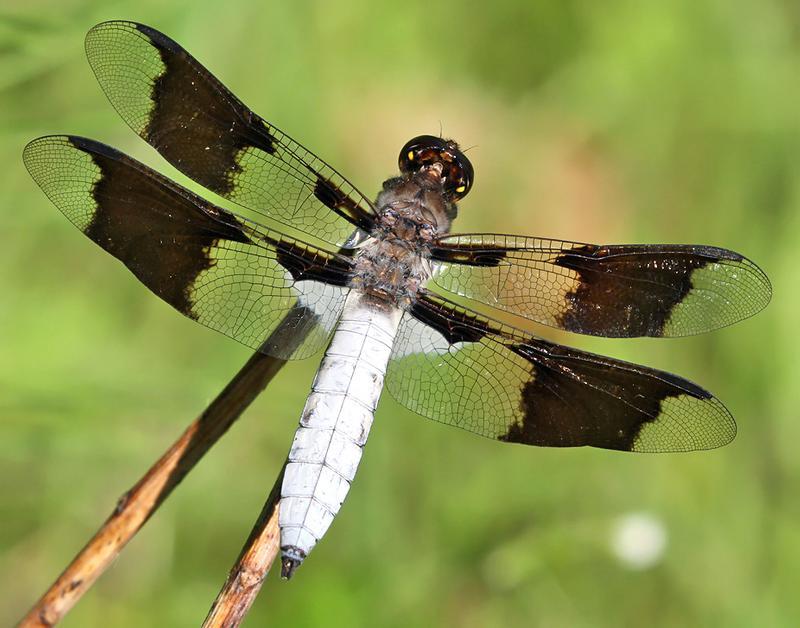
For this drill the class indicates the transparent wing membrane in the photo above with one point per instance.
(225, 272)
(604, 290)
(459, 368)
(175, 104)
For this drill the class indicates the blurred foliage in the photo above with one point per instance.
(615, 121)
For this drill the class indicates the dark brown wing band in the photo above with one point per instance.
(457, 367)
(174, 103)
(610, 290)
(219, 269)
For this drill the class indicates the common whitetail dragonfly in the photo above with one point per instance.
(382, 283)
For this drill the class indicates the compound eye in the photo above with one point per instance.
(411, 155)
(461, 189)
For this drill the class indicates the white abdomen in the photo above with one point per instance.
(335, 424)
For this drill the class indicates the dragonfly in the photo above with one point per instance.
(395, 299)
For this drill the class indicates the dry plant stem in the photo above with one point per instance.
(136, 506)
(247, 575)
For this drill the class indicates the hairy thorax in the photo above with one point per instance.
(393, 264)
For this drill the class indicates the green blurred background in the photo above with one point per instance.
(672, 121)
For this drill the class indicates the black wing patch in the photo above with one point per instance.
(217, 268)
(574, 399)
(200, 127)
(457, 367)
(611, 290)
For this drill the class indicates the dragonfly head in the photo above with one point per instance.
(440, 158)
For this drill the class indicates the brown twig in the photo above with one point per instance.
(247, 575)
(136, 506)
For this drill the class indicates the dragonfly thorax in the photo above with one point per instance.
(393, 263)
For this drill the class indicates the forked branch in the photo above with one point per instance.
(138, 504)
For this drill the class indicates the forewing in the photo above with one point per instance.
(625, 290)
(221, 270)
(454, 366)
(201, 128)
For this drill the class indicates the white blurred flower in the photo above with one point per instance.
(638, 540)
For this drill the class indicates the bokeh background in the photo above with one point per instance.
(630, 121)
